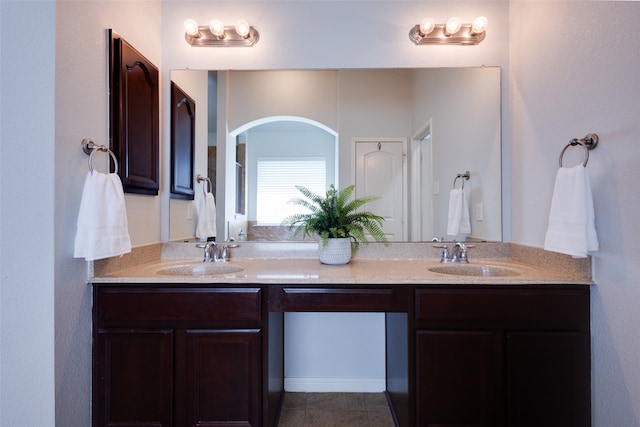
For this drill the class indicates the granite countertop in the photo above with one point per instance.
(310, 271)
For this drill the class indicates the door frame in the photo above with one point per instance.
(422, 182)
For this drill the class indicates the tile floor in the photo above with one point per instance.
(335, 410)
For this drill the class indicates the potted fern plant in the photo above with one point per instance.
(338, 222)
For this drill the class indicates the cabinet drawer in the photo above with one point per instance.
(561, 307)
(337, 299)
(177, 304)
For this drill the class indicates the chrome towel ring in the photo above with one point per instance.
(89, 147)
(589, 142)
(209, 187)
(464, 176)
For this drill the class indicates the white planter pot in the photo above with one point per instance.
(335, 252)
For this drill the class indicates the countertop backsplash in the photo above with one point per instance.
(375, 250)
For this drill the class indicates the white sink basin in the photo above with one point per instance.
(474, 270)
(200, 269)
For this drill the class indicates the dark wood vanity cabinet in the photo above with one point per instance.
(456, 355)
(502, 356)
(171, 356)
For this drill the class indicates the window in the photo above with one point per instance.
(277, 178)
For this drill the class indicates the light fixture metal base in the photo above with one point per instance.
(231, 38)
(438, 36)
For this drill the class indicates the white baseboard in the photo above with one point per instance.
(333, 385)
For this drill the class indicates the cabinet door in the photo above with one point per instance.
(135, 116)
(222, 378)
(457, 379)
(548, 379)
(133, 378)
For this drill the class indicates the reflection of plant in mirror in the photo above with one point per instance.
(335, 216)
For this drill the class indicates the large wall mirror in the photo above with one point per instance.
(258, 126)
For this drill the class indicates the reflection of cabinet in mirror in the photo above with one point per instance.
(134, 116)
(183, 113)
(184, 212)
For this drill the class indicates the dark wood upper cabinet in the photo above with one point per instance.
(134, 116)
(183, 116)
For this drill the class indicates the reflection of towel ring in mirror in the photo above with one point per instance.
(209, 187)
(464, 176)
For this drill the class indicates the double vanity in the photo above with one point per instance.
(501, 341)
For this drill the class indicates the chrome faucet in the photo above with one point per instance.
(214, 252)
(457, 254)
(210, 251)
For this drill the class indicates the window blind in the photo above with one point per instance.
(277, 179)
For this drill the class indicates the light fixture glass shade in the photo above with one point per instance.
(479, 25)
(242, 28)
(453, 32)
(426, 26)
(453, 26)
(219, 35)
(216, 27)
(191, 27)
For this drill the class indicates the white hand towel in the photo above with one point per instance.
(459, 222)
(206, 226)
(571, 227)
(102, 228)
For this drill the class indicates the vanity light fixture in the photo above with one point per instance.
(217, 34)
(452, 32)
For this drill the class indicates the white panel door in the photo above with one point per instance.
(380, 171)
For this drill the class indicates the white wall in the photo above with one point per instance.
(574, 71)
(27, 87)
(332, 34)
(81, 110)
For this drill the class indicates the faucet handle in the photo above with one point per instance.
(207, 254)
(445, 253)
(209, 249)
(463, 251)
(225, 252)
